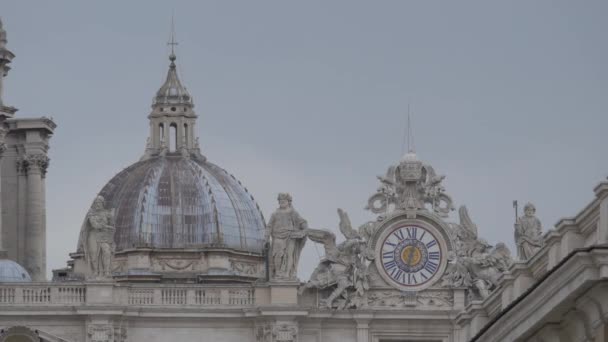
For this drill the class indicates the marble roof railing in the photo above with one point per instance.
(571, 235)
(90, 293)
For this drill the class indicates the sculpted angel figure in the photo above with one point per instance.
(287, 230)
(475, 263)
(528, 233)
(344, 269)
(97, 239)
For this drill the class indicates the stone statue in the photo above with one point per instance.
(344, 269)
(97, 239)
(287, 230)
(474, 263)
(528, 233)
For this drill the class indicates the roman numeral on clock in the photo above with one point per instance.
(434, 256)
(431, 267)
(388, 255)
(412, 232)
(431, 243)
(390, 264)
(397, 275)
(399, 234)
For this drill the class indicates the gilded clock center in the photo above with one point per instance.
(411, 255)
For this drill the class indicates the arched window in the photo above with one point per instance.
(186, 134)
(161, 132)
(172, 137)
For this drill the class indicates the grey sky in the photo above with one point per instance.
(509, 99)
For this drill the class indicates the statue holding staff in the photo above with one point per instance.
(528, 233)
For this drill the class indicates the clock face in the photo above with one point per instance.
(410, 256)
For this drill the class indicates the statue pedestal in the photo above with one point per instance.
(284, 292)
(100, 292)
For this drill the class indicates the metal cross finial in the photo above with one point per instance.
(172, 42)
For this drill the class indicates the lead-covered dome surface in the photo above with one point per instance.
(175, 202)
(12, 272)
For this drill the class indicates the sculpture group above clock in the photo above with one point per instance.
(411, 247)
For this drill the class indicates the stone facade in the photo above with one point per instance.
(411, 274)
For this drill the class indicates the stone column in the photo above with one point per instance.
(3, 132)
(35, 244)
(21, 233)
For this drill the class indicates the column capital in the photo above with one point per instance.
(33, 164)
(3, 133)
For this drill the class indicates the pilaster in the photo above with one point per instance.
(363, 326)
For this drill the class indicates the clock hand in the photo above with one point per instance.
(409, 255)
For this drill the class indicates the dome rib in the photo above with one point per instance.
(176, 202)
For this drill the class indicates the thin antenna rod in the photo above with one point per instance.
(410, 134)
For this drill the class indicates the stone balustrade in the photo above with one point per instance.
(41, 294)
(198, 296)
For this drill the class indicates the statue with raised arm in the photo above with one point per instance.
(97, 239)
(286, 228)
(474, 263)
(528, 233)
(344, 269)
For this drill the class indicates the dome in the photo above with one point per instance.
(176, 202)
(12, 272)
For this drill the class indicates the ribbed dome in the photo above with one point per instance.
(176, 202)
(12, 272)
